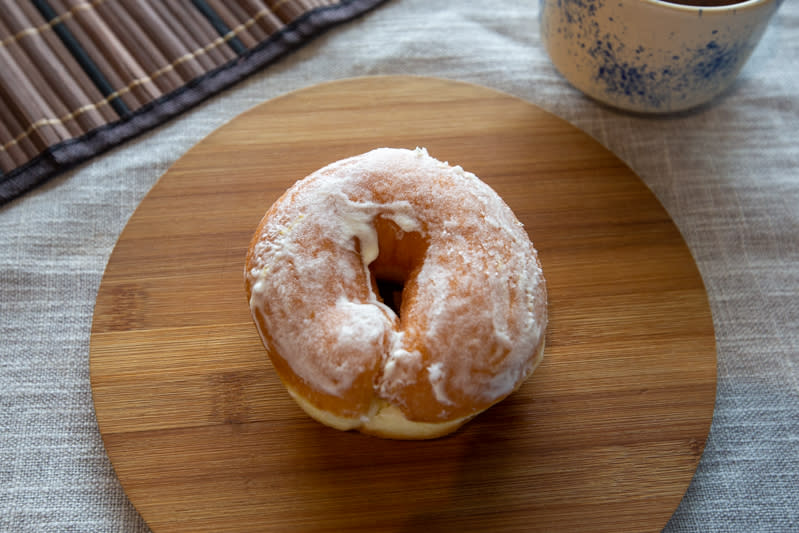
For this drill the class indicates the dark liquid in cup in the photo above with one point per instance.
(705, 3)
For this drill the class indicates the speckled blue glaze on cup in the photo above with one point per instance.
(651, 56)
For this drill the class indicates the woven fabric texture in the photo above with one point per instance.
(727, 173)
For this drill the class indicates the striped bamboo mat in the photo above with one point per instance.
(78, 77)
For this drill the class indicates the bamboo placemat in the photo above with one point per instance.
(78, 77)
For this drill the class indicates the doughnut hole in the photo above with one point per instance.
(390, 293)
(401, 254)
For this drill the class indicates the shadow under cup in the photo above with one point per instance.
(652, 56)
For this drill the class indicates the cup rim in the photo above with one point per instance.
(744, 4)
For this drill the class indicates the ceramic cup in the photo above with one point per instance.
(652, 56)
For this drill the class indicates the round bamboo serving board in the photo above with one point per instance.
(605, 436)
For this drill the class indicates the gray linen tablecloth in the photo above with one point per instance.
(728, 174)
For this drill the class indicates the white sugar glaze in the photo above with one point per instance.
(480, 308)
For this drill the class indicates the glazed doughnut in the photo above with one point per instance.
(473, 310)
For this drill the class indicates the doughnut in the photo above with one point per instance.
(463, 327)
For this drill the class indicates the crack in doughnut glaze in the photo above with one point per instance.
(473, 312)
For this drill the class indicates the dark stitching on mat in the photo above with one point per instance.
(220, 26)
(82, 57)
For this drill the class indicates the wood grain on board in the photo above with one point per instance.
(605, 436)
